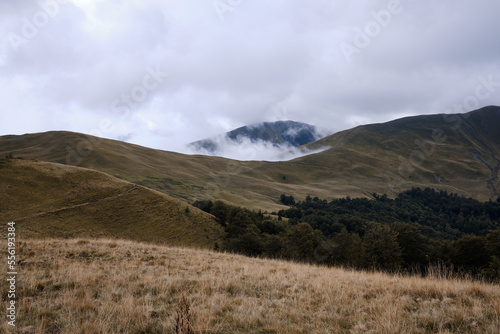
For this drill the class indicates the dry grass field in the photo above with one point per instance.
(113, 286)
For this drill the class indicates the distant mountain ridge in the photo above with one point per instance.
(458, 153)
(280, 134)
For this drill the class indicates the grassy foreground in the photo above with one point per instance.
(113, 286)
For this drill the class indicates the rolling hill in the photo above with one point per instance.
(54, 200)
(457, 153)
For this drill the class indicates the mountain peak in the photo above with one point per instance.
(280, 135)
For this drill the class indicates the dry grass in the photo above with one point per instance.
(48, 200)
(110, 286)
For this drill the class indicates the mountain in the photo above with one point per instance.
(53, 200)
(459, 153)
(281, 134)
(182, 176)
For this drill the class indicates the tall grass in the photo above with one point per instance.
(114, 286)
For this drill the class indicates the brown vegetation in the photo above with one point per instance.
(53, 200)
(113, 286)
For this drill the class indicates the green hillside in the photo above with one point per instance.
(456, 153)
(53, 200)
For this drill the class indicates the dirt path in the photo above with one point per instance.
(78, 205)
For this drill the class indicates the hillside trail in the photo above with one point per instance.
(66, 208)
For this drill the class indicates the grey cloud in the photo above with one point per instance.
(264, 61)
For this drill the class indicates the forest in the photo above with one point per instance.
(417, 230)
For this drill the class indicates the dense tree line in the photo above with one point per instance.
(436, 214)
(416, 229)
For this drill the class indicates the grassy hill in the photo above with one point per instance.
(110, 286)
(457, 153)
(54, 200)
(183, 176)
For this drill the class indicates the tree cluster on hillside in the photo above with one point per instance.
(416, 229)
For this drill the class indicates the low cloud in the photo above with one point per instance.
(298, 152)
(244, 149)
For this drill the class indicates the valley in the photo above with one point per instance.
(457, 153)
(115, 237)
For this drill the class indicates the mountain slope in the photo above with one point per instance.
(182, 176)
(53, 200)
(457, 153)
(281, 134)
(116, 286)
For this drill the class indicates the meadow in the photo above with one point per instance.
(116, 286)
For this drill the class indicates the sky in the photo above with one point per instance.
(163, 73)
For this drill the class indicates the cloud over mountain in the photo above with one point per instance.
(64, 64)
(260, 141)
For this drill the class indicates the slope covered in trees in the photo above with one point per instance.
(436, 214)
(417, 229)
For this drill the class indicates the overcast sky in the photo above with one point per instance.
(164, 73)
